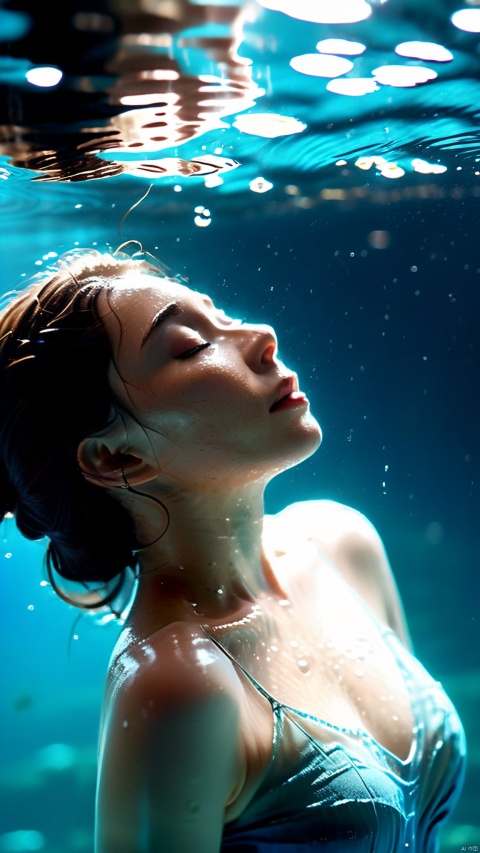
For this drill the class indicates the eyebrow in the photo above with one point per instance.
(169, 311)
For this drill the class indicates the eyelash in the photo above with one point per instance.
(193, 351)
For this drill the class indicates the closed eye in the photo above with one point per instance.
(189, 353)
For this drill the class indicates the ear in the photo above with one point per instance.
(103, 463)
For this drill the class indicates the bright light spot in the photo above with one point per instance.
(260, 185)
(45, 77)
(386, 169)
(78, 206)
(322, 11)
(140, 100)
(366, 163)
(201, 221)
(320, 65)
(426, 50)
(21, 841)
(341, 46)
(391, 170)
(4, 175)
(268, 125)
(203, 217)
(467, 20)
(213, 181)
(428, 168)
(218, 150)
(341, 163)
(177, 188)
(353, 86)
(403, 76)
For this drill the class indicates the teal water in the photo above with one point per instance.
(370, 277)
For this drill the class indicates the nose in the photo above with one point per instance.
(261, 345)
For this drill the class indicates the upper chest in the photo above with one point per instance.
(321, 651)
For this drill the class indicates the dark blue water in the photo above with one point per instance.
(372, 283)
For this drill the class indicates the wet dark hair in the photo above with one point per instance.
(54, 390)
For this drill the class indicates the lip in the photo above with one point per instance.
(287, 386)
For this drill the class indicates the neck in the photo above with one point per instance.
(210, 561)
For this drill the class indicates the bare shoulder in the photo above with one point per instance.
(349, 540)
(337, 528)
(175, 665)
(171, 755)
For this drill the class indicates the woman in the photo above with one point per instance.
(262, 695)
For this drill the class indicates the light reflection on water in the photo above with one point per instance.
(150, 91)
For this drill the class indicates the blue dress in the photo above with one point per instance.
(346, 793)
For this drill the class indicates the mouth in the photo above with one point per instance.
(287, 390)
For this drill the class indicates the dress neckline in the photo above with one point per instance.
(357, 732)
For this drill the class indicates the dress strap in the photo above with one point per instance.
(261, 690)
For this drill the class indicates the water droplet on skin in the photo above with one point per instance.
(359, 672)
(219, 591)
(125, 724)
(394, 717)
(284, 602)
(336, 666)
(303, 665)
(294, 644)
(274, 648)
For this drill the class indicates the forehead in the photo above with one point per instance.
(129, 306)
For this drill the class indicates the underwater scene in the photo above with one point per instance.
(311, 164)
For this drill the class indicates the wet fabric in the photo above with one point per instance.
(344, 791)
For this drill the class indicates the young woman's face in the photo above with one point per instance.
(204, 385)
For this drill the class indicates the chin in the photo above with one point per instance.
(303, 441)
